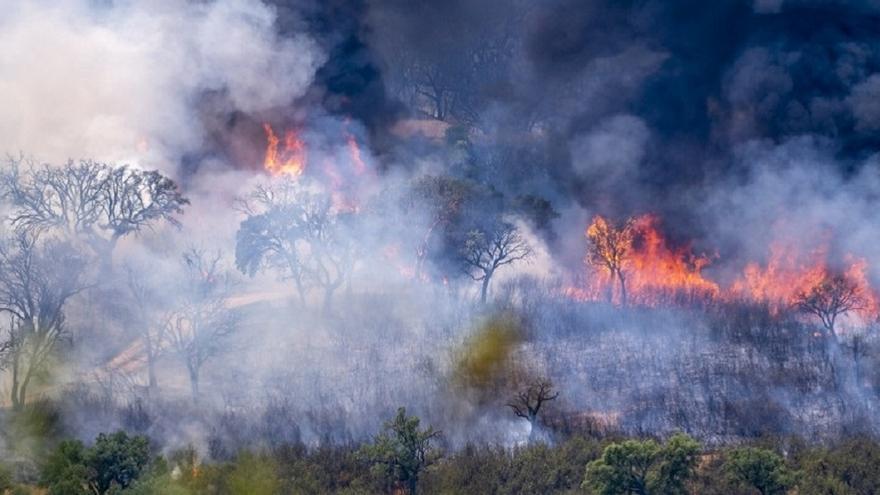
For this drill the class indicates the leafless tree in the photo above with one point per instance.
(831, 297)
(527, 401)
(608, 248)
(37, 279)
(198, 326)
(146, 307)
(297, 231)
(97, 202)
(487, 250)
(456, 77)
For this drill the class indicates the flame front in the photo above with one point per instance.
(290, 160)
(788, 274)
(653, 273)
(634, 263)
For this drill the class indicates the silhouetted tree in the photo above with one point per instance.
(830, 298)
(146, 306)
(97, 202)
(37, 279)
(527, 402)
(200, 322)
(488, 249)
(297, 231)
(608, 248)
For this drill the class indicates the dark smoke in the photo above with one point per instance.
(735, 122)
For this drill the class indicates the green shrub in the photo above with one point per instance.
(113, 463)
(759, 469)
(253, 474)
(644, 467)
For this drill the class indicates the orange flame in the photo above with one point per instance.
(788, 273)
(654, 272)
(291, 160)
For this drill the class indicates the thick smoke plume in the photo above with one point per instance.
(439, 155)
(125, 80)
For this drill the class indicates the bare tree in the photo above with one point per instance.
(527, 402)
(198, 326)
(37, 279)
(464, 67)
(487, 250)
(297, 231)
(831, 297)
(145, 314)
(608, 249)
(96, 202)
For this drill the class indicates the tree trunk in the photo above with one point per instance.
(857, 363)
(611, 287)
(194, 382)
(151, 372)
(23, 386)
(484, 288)
(533, 424)
(16, 405)
(622, 288)
(301, 290)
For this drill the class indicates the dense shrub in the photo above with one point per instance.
(113, 463)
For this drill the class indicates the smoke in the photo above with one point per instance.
(123, 80)
(553, 111)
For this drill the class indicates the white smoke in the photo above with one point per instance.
(121, 81)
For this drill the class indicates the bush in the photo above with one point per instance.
(644, 467)
(113, 463)
(852, 467)
(253, 474)
(760, 469)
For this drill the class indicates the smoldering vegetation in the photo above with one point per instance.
(259, 228)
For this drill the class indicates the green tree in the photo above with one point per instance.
(402, 451)
(757, 468)
(116, 460)
(113, 463)
(65, 472)
(644, 467)
(849, 468)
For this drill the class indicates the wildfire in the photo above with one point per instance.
(788, 274)
(634, 263)
(290, 160)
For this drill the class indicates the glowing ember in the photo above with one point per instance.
(290, 160)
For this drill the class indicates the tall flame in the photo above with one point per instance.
(788, 274)
(655, 273)
(290, 160)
